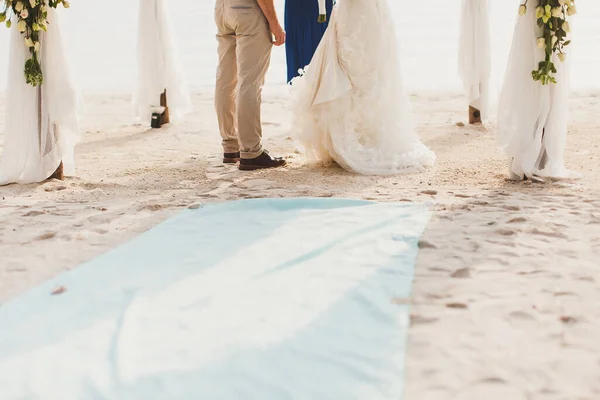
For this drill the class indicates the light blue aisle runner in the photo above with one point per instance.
(257, 299)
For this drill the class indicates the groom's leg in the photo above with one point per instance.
(226, 81)
(254, 47)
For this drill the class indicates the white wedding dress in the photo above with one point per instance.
(533, 118)
(349, 106)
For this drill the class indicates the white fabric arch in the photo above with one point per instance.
(533, 118)
(159, 65)
(474, 55)
(41, 122)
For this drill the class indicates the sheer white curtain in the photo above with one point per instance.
(533, 118)
(41, 123)
(474, 53)
(159, 65)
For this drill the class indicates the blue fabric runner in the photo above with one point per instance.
(303, 32)
(258, 299)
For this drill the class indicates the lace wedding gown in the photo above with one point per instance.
(533, 118)
(350, 106)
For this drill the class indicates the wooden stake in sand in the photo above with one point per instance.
(164, 118)
(158, 120)
(474, 116)
(474, 56)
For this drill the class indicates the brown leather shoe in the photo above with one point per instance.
(231, 158)
(263, 161)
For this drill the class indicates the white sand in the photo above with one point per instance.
(505, 302)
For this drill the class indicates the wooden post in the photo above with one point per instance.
(164, 118)
(543, 160)
(59, 173)
(474, 116)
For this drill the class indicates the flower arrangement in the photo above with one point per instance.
(552, 18)
(31, 17)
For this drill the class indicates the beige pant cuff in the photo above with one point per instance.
(253, 154)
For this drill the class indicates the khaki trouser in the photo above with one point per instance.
(245, 47)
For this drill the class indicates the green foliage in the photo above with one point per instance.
(31, 17)
(552, 19)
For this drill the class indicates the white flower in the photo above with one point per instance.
(539, 12)
(572, 10)
(557, 12)
(522, 10)
(66, 4)
(36, 47)
(562, 2)
(24, 14)
(541, 43)
(566, 27)
(29, 42)
(22, 26)
(19, 7)
(562, 56)
(33, 3)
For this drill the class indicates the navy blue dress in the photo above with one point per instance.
(303, 32)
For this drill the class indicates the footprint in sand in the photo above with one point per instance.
(34, 213)
(506, 232)
(564, 294)
(255, 184)
(419, 320)
(462, 273)
(493, 379)
(46, 236)
(151, 207)
(548, 234)
(521, 316)
(224, 175)
(517, 220)
(457, 306)
(568, 320)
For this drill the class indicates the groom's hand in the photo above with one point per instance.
(278, 33)
(268, 9)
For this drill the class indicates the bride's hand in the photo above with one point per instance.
(278, 33)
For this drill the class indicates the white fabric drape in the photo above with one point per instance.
(532, 118)
(41, 123)
(159, 65)
(474, 57)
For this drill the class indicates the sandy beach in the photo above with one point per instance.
(504, 303)
(506, 283)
